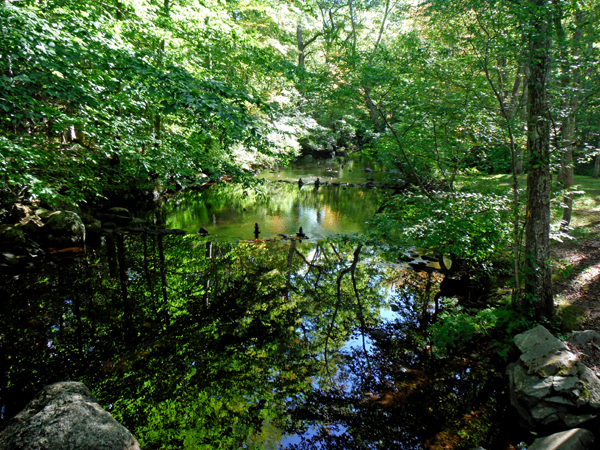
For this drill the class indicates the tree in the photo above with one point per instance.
(538, 276)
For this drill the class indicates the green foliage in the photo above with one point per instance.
(469, 226)
(459, 329)
(454, 330)
(86, 112)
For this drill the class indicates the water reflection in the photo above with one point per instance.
(186, 347)
(343, 170)
(230, 211)
(198, 343)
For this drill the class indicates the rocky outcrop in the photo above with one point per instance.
(549, 385)
(64, 228)
(37, 231)
(65, 416)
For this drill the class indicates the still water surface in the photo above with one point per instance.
(231, 211)
(248, 343)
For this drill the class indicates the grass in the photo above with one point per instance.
(585, 219)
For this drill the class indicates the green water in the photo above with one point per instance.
(231, 211)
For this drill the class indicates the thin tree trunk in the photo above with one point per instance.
(567, 171)
(163, 269)
(597, 160)
(111, 254)
(209, 255)
(147, 268)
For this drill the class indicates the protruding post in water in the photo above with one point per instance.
(256, 231)
(300, 234)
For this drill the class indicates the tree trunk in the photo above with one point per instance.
(538, 281)
(566, 175)
(301, 46)
(377, 125)
(597, 160)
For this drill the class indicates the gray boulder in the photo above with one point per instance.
(65, 416)
(120, 211)
(583, 337)
(575, 439)
(548, 385)
(65, 228)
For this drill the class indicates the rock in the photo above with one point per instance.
(65, 416)
(583, 337)
(136, 222)
(120, 211)
(65, 228)
(548, 385)
(94, 227)
(87, 219)
(12, 235)
(575, 439)
(121, 220)
(592, 385)
(544, 354)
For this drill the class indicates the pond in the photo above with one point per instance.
(205, 342)
(282, 206)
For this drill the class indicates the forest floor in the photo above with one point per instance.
(576, 274)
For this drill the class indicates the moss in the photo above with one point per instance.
(571, 317)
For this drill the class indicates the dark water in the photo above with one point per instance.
(198, 342)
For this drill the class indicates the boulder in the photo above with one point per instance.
(119, 219)
(544, 354)
(93, 228)
(583, 337)
(575, 439)
(65, 416)
(120, 211)
(65, 228)
(11, 235)
(137, 223)
(548, 385)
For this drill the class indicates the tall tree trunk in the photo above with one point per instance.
(163, 269)
(538, 281)
(147, 273)
(566, 175)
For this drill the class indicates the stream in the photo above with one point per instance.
(223, 341)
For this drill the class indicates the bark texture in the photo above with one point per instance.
(538, 281)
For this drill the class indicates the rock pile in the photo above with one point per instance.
(549, 385)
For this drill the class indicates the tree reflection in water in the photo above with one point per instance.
(234, 346)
